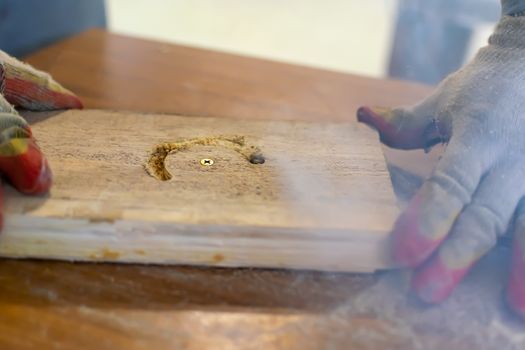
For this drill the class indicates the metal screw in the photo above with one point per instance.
(207, 162)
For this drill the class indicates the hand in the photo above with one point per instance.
(21, 161)
(478, 186)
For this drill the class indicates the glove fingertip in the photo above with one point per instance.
(400, 127)
(381, 121)
(33, 96)
(409, 244)
(435, 281)
(43, 181)
(28, 172)
(371, 118)
(515, 293)
(67, 101)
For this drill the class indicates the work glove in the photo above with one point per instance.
(21, 161)
(478, 185)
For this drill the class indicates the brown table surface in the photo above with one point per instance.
(102, 306)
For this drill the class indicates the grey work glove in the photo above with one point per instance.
(479, 184)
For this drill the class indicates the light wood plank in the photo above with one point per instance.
(322, 200)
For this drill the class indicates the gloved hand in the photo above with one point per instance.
(479, 183)
(21, 161)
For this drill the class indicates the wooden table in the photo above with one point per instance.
(102, 306)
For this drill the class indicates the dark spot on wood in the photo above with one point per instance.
(257, 159)
(102, 220)
(217, 258)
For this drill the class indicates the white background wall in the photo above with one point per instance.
(321, 33)
(345, 35)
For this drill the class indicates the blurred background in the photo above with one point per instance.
(418, 40)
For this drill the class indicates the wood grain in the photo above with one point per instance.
(118, 72)
(50, 305)
(322, 200)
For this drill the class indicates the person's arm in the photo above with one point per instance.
(478, 186)
(21, 161)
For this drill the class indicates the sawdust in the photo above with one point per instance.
(155, 166)
(474, 317)
(385, 315)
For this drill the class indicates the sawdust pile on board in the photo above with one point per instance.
(155, 166)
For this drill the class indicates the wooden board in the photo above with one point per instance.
(322, 200)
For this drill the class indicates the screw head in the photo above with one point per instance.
(207, 162)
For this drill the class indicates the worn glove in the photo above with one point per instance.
(479, 183)
(21, 161)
